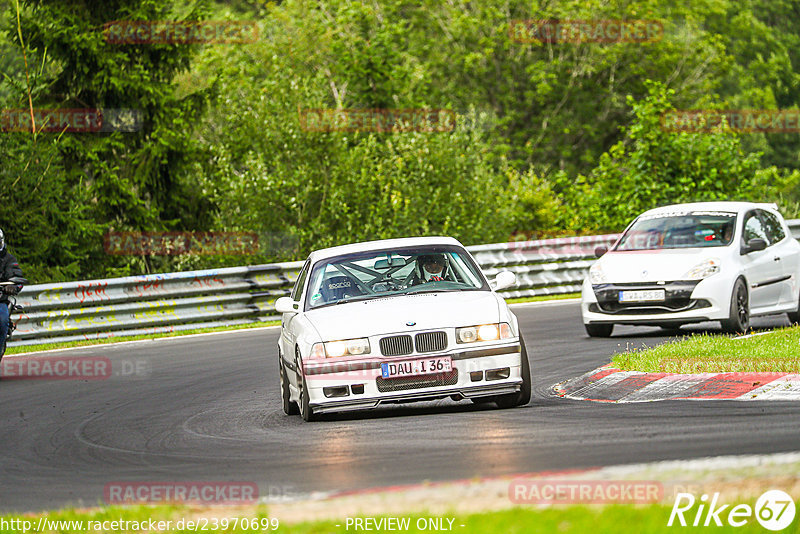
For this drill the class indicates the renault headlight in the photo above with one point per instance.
(596, 274)
(347, 347)
(484, 332)
(702, 270)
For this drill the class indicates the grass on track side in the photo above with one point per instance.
(103, 341)
(611, 519)
(540, 298)
(772, 351)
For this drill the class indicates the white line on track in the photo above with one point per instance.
(139, 341)
(536, 303)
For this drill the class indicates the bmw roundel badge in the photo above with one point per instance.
(410, 323)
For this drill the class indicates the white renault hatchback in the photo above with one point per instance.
(685, 263)
(395, 321)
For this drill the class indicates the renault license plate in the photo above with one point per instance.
(642, 295)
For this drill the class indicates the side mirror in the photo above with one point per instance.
(503, 280)
(754, 245)
(286, 305)
(600, 250)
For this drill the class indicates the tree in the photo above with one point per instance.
(652, 167)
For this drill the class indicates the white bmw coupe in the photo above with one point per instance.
(686, 263)
(396, 321)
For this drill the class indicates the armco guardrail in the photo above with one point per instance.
(170, 302)
(151, 303)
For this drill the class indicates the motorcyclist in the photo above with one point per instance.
(9, 268)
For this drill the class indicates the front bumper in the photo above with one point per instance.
(358, 385)
(686, 301)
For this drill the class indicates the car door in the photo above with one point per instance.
(787, 252)
(761, 268)
(289, 321)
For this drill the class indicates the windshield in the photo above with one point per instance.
(389, 272)
(679, 230)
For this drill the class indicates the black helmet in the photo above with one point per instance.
(424, 259)
(432, 258)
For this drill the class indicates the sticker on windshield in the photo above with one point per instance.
(667, 214)
(316, 296)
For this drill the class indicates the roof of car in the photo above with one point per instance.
(736, 207)
(381, 244)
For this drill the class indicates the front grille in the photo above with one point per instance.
(647, 309)
(678, 297)
(430, 341)
(413, 382)
(396, 345)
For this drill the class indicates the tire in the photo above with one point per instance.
(738, 320)
(599, 330)
(306, 411)
(523, 396)
(289, 406)
(794, 317)
(671, 328)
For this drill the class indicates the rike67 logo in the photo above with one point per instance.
(774, 510)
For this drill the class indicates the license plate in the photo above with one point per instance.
(427, 366)
(643, 295)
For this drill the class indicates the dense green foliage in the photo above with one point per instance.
(553, 137)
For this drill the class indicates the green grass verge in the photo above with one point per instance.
(544, 297)
(775, 351)
(105, 341)
(571, 519)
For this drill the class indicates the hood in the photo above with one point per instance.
(390, 315)
(656, 265)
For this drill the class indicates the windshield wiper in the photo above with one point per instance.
(433, 291)
(355, 299)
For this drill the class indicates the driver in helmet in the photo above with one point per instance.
(430, 268)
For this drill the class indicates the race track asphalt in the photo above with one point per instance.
(207, 408)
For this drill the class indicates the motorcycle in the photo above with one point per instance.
(13, 307)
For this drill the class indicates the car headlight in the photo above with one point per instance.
(596, 274)
(347, 347)
(483, 332)
(703, 269)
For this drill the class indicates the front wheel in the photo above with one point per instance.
(289, 406)
(794, 317)
(739, 319)
(306, 411)
(523, 396)
(599, 330)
